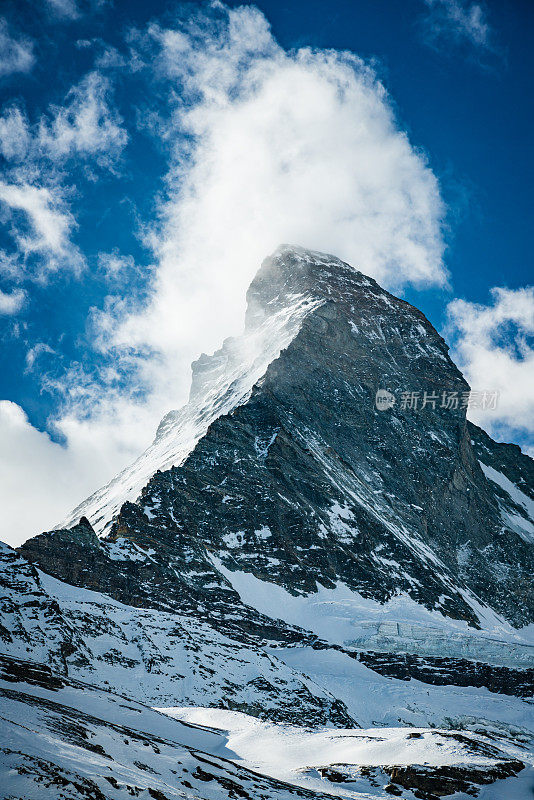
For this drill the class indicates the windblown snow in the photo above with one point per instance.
(220, 383)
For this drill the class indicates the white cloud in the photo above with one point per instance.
(10, 264)
(11, 302)
(66, 9)
(44, 229)
(284, 147)
(110, 58)
(114, 264)
(15, 135)
(493, 346)
(458, 20)
(32, 192)
(40, 479)
(38, 349)
(86, 124)
(16, 55)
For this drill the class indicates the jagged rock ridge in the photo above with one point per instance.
(306, 482)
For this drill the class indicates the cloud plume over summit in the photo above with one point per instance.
(268, 146)
(264, 146)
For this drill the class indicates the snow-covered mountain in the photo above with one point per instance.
(289, 557)
(66, 739)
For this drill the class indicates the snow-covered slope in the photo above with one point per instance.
(174, 659)
(155, 656)
(64, 740)
(362, 763)
(517, 509)
(400, 625)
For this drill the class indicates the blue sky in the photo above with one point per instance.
(129, 134)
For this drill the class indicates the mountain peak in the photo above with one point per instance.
(289, 287)
(296, 393)
(292, 270)
(287, 541)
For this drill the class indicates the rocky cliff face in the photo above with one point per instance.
(305, 482)
(287, 546)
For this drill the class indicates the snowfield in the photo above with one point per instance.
(306, 757)
(342, 616)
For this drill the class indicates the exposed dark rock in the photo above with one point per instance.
(432, 782)
(450, 672)
(17, 671)
(426, 782)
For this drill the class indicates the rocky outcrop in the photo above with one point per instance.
(450, 672)
(430, 783)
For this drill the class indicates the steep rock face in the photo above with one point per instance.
(169, 571)
(510, 474)
(219, 383)
(307, 482)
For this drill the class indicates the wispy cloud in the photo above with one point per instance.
(16, 54)
(66, 9)
(11, 302)
(85, 129)
(35, 352)
(41, 226)
(493, 344)
(15, 136)
(86, 125)
(458, 21)
(34, 208)
(116, 265)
